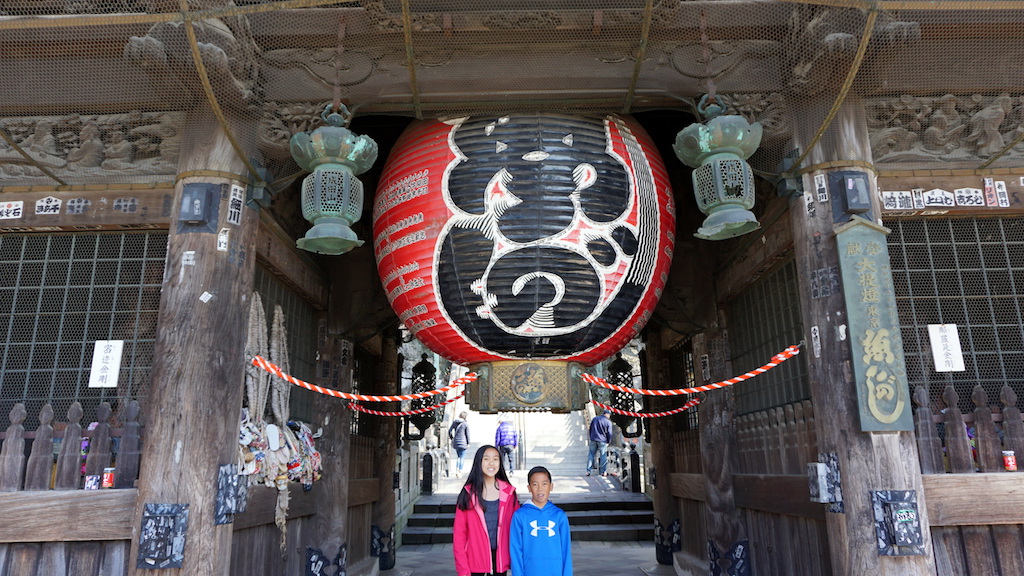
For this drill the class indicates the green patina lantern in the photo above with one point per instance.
(722, 180)
(332, 196)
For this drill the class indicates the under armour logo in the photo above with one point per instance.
(550, 528)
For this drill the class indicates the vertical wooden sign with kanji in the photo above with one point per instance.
(883, 396)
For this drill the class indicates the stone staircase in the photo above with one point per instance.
(603, 515)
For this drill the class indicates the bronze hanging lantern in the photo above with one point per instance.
(332, 196)
(723, 182)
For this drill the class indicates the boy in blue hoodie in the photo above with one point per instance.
(539, 538)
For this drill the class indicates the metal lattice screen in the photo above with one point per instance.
(968, 272)
(58, 295)
(763, 321)
(300, 324)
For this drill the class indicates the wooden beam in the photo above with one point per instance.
(263, 502)
(66, 515)
(950, 180)
(759, 254)
(786, 494)
(362, 491)
(276, 251)
(102, 208)
(974, 499)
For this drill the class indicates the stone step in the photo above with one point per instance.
(576, 518)
(580, 532)
(638, 503)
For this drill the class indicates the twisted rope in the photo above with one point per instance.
(683, 408)
(405, 413)
(776, 360)
(261, 362)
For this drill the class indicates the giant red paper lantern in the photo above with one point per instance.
(522, 237)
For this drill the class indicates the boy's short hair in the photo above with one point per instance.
(537, 469)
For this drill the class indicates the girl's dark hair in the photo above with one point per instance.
(475, 481)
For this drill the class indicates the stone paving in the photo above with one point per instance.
(597, 558)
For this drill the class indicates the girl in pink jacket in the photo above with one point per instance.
(483, 515)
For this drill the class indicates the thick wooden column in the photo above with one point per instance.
(867, 461)
(728, 550)
(386, 434)
(666, 510)
(195, 395)
(328, 538)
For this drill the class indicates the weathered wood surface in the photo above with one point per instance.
(41, 469)
(106, 558)
(192, 414)
(760, 253)
(945, 179)
(784, 494)
(386, 434)
(65, 515)
(98, 458)
(12, 453)
(40, 461)
(262, 502)
(276, 251)
(128, 453)
(716, 417)
(777, 441)
(867, 461)
(152, 209)
(993, 430)
(971, 499)
(69, 460)
(666, 513)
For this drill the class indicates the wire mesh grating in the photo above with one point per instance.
(968, 272)
(51, 317)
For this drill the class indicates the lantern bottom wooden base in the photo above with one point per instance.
(527, 385)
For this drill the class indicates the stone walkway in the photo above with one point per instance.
(598, 558)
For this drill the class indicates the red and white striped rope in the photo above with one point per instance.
(683, 408)
(776, 360)
(260, 362)
(361, 408)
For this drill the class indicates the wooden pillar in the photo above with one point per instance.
(867, 460)
(666, 511)
(195, 395)
(386, 432)
(328, 539)
(728, 549)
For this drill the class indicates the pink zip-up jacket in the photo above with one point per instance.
(470, 543)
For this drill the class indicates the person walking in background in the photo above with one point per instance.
(483, 517)
(600, 435)
(458, 433)
(540, 540)
(506, 439)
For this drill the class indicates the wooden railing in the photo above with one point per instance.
(954, 442)
(41, 471)
(779, 440)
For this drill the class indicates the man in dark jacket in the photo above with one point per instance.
(506, 439)
(458, 432)
(600, 435)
